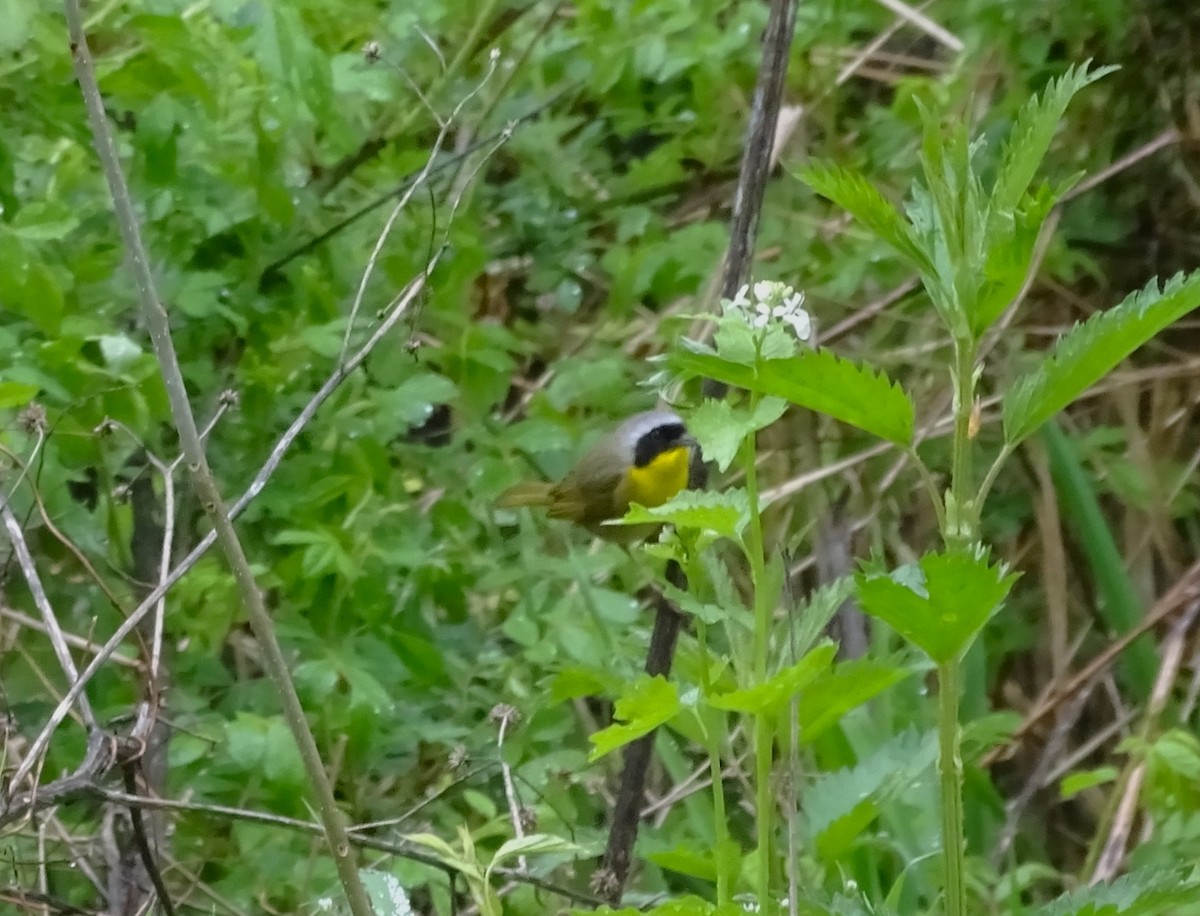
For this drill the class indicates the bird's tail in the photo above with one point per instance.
(528, 493)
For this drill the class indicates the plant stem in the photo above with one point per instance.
(763, 725)
(961, 529)
(950, 771)
(713, 742)
(961, 521)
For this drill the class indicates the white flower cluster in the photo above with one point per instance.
(769, 301)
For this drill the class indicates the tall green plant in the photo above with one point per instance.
(973, 244)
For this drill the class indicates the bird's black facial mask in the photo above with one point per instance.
(658, 440)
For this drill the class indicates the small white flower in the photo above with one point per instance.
(800, 323)
(762, 315)
(764, 290)
(742, 299)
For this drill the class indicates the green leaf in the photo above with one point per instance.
(769, 697)
(839, 805)
(44, 221)
(821, 381)
(849, 685)
(648, 703)
(387, 894)
(720, 427)
(1032, 132)
(941, 605)
(724, 512)
(446, 853)
(1147, 892)
(814, 613)
(1011, 243)
(1075, 783)
(696, 863)
(1091, 350)
(533, 844)
(856, 195)
(16, 394)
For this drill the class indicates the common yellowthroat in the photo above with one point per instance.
(646, 460)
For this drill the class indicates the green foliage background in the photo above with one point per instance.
(412, 608)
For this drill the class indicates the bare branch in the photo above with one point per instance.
(417, 183)
(53, 631)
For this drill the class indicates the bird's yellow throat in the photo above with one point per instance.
(661, 479)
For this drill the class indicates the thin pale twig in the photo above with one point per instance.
(924, 23)
(53, 631)
(390, 222)
(1113, 853)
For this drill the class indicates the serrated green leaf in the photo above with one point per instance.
(821, 381)
(956, 595)
(837, 806)
(769, 697)
(1147, 892)
(1091, 350)
(720, 427)
(1032, 132)
(815, 612)
(856, 195)
(648, 703)
(1011, 245)
(723, 512)
(849, 685)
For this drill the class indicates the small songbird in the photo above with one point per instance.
(646, 460)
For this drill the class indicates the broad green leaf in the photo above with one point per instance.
(689, 604)
(837, 806)
(1032, 132)
(1077, 782)
(856, 195)
(821, 381)
(724, 512)
(648, 703)
(1178, 751)
(849, 685)
(387, 894)
(720, 427)
(697, 863)
(576, 681)
(1147, 892)
(16, 394)
(941, 605)
(1091, 350)
(44, 221)
(769, 697)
